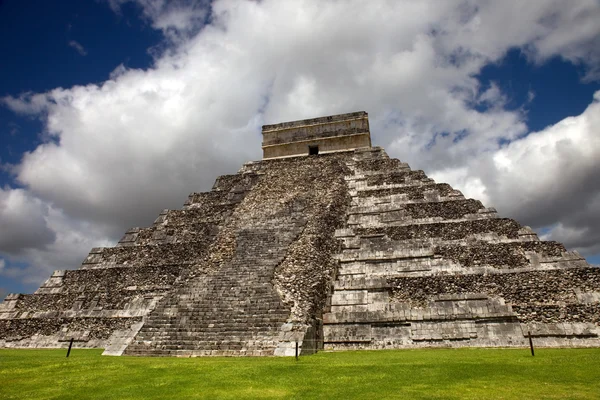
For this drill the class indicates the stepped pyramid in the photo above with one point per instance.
(326, 242)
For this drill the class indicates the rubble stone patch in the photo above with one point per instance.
(305, 275)
(558, 313)
(504, 227)
(537, 296)
(412, 192)
(379, 164)
(190, 253)
(501, 255)
(397, 177)
(97, 328)
(455, 209)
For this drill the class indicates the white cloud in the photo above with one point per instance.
(177, 19)
(118, 152)
(493, 97)
(78, 46)
(547, 178)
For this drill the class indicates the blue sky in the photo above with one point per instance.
(113, 110)
(35, 37)
(556, 85)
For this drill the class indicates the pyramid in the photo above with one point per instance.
(326, 243)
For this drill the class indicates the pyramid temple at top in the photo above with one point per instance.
(326, 242)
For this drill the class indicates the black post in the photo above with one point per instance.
(296, 350)
(70, 345)
(531, 343)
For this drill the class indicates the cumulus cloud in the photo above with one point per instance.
(177, 19)
(542, 29)
(549, 178)
(118, 152)
(72, 239)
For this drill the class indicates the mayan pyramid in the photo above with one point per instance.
(326, 242)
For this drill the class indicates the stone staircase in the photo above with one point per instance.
(238, 307)
(232, 311)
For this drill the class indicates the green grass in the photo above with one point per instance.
(419, 374)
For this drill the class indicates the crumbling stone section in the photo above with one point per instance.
(236, 183)
(120, 279)
(536, 296)
(193, 231)
(189, 253)
(87, 289)
(412, 192)
(455, 209)
(379, 164)
(559, 313)
(45, 302)
(521, 287)
(304, 277)
(446, 231)
(500, 255)
(396, 177)
(81, 329)
(182, 219)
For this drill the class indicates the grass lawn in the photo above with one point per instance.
(419, 374)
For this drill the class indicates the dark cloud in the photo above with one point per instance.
(23, 222)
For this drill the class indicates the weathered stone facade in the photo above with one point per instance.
(421, 266)
(316, 136)
(346, 250)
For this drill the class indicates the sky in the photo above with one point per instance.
(112, 110)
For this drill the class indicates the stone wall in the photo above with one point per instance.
(331, 134)
(308, 129)
(325, 145)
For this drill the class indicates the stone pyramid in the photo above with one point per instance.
(326, 242)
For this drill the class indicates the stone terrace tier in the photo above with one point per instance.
(421, 266)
